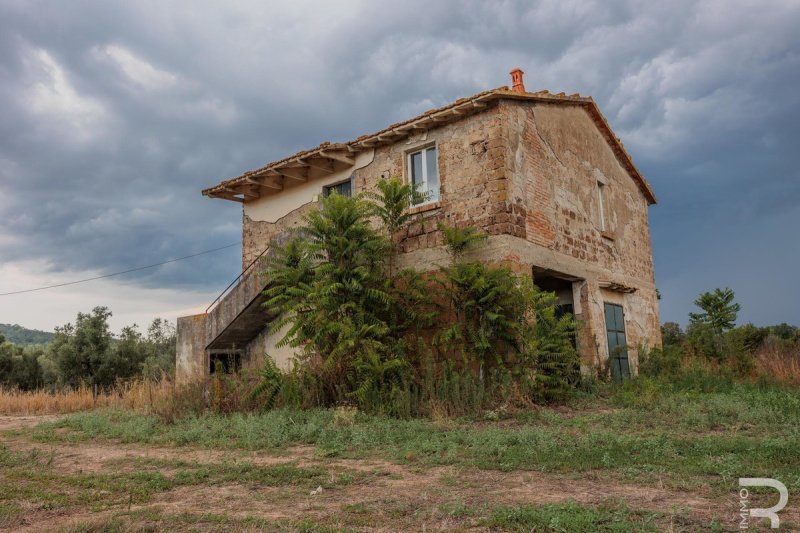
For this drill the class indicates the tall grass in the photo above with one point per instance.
(779, 360)
(140, 395)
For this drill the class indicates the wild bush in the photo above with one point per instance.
(399, 342)
(666, 361)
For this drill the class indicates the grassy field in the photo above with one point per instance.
(650, 456)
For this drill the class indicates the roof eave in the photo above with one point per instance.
(344, 152)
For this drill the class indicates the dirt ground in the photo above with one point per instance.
(386, 497)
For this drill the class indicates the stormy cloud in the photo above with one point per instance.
(113, 116)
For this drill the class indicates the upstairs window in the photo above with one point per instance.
(423, 172)
(344, 188)
(600, 207)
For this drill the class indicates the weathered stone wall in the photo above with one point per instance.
(474, 186)
(545, 213)
(472, 174)
(256, 234)
(556, 158)
(559, 157)
(526, 174)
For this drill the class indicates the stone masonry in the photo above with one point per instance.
(525, 171)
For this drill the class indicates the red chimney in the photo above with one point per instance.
(516, 81)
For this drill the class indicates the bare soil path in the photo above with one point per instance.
(384, 496)
(17, 422)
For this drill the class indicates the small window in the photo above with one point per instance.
(423, 172)
(344, 188)
(601, 207)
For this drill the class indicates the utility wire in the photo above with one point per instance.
(122, 272)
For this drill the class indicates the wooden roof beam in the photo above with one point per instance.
(293, 173)
(251, 192)
(390, 135)
(245, 191)
(335, 156)
(325, 166)
(264, 181)
(226, 196)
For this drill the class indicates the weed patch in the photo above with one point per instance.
(571, 518)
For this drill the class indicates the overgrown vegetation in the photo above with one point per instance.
(463, 338)
(712, 345)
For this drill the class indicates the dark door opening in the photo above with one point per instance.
(225, 362)
(549, 281)
(617, 343)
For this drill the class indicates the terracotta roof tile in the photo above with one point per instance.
(370, 140)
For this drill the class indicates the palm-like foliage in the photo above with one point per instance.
(338, 306)
(377, 377)
(719, 310)
(546, 344)
(392, 201)
(360, 328)
(272, 380)
(290, 269)
(499, 316)
(460, 240)
(485, 303)
(391, 204)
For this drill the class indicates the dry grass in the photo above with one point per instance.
(140, 395)
(779, 360)
(226, 393)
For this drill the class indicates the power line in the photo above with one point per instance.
(122, 272)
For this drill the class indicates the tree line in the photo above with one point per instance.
(713, 336)
(85, 351)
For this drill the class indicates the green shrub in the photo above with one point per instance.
(661, 362)
(364, 331)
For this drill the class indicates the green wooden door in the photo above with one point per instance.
(617, 344)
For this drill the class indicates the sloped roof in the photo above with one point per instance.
(343, 152)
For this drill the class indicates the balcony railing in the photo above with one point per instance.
(235, 281)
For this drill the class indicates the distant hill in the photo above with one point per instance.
(16, 334)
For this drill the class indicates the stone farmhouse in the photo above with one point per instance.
(541, 174)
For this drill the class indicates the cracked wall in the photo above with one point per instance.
(557, 157)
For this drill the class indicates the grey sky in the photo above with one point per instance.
(113, 116)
